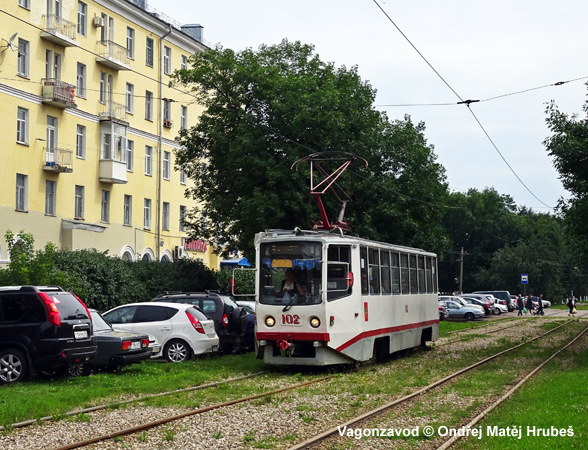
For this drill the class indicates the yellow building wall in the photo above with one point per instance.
(63, 228)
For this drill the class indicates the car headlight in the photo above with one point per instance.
(270, 321)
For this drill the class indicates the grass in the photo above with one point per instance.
(555, 397)
(42, 397)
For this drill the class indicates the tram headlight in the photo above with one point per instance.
(315, 322)
(270, 321)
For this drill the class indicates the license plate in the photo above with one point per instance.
(135, 345)
(80, 334)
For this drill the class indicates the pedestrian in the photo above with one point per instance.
(529, 304)
(540, 305)
(520, 305)
(571, 304)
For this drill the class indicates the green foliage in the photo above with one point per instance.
(265, 110)
(244, 281)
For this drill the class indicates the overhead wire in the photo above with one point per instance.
(462, 101)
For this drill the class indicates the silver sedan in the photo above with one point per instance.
(457, 311)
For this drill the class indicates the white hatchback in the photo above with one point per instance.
(181, 329)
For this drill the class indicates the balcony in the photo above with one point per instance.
(58, 93)
(167, 123)
(113, 55)
(59, 31)
(113, 111)
(113, 171)
(58, 160)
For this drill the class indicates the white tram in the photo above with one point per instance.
(328, 298)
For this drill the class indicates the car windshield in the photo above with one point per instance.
(98, 322)
(290, 273)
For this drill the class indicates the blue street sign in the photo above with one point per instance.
(524, 278)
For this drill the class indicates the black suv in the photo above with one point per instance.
(42, 328)
(230, 319)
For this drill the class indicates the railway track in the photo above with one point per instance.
(318, 439)
(167, 420)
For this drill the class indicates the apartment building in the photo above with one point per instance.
(88, 126)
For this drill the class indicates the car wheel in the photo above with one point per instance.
(469, 316)
(13, 366)
(176, 351)
(78, 370)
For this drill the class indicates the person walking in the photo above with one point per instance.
(520, 305)
(571, 304)
(529, 304)
(540, 305)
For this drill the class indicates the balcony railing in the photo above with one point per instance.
(59, 30)
(113, 55)
(58, 93)
(58, 160)
(167, 123)
(112, 110)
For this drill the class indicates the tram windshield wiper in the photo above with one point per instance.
(290, 303)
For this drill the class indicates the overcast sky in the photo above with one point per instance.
(482, 49)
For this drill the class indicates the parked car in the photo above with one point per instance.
(249, 336)
(500, 307)
(230, 319)
(460, 301)
(486, 304)
(115, 348)
(182, 330)
(443, 314)
(42, 328)
(501, 295)
(457, 311)
(535, 301)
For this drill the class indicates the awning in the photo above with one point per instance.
(235, 262)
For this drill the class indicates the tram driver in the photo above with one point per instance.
(290, 284)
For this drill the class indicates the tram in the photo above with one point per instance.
(326, 298)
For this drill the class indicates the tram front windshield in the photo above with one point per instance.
(290, 273)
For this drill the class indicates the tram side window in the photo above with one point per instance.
(429, 275)
(404, 274)
(339, 265)
(395, 272)
(421, 274)
(365, 289)
(434, 267)
(414, 287)
(374, 278)
(385, 272)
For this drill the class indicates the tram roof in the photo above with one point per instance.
(332, 235)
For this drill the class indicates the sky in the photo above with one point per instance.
(480, 49)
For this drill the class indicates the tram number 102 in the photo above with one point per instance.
(291, 319)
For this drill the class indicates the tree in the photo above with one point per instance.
(568, 145)
(265, 110)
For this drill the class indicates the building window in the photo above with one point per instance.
(167, 60)
(82, 18)
(130, 96)
(166, 109)
(79, 203)
(21, 192)
(148, 105)
(81, 86)
(147, 213)
(103, 84)
(183, 176)
(51, 140)
(50, 197)
(131, 43)
(130, 155)
(25, 3)
(148, 159)
(182, 218)
(184, 64)
(166, 165)
(22, 126)
(105, 211)
(104, 30)
(81, 142)
(52, 65)
(165, 216)
(128, 210)
(149, 52)
(184, 118)
(23, 58)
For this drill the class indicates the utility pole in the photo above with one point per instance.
(461, 272)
